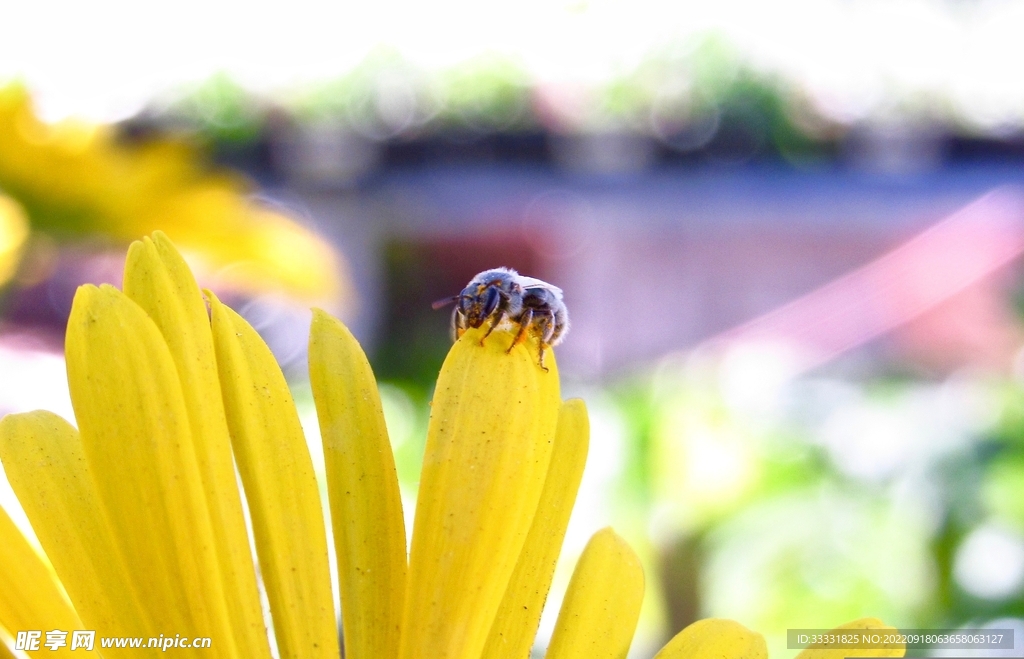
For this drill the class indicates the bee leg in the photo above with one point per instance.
(548, 318)
(458, 324)
(545, 339)
(524, 323)
(497, 321)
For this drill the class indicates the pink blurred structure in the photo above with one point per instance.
(939, 288)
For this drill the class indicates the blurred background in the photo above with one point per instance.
(789, 235)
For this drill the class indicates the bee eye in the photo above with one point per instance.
(491, 303)
(465, 300)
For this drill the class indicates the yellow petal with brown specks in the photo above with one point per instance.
(159, 281)
(30, 596)
(489, 442)
(519, 616)
(602, 604)
(138, 446)
(366, 505)
(715, 637)
(818, 652)
(280, 486)
(44, 461)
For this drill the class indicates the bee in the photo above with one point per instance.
(502, 296)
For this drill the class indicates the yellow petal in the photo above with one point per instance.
(714, 637)
(159, 281)
(138, 446)
(5, 653)
(44, 461)
(818, 652)
(489, 442)
(519, 616)
(30, 597)
(602, 605)
(366, 506)
(284, 501)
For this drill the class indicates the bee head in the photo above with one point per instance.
(477, 302)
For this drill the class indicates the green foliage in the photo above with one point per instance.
(223, 110)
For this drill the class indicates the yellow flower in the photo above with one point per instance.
(726, 639)
(77, 179)
(141, 519)
(13, 236)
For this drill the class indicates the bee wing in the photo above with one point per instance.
(530, 282)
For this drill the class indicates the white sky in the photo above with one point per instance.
(104, 59)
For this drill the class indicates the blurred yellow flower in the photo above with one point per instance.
(726, 639)
(78, 180)
(140, 517)
(14, 232)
